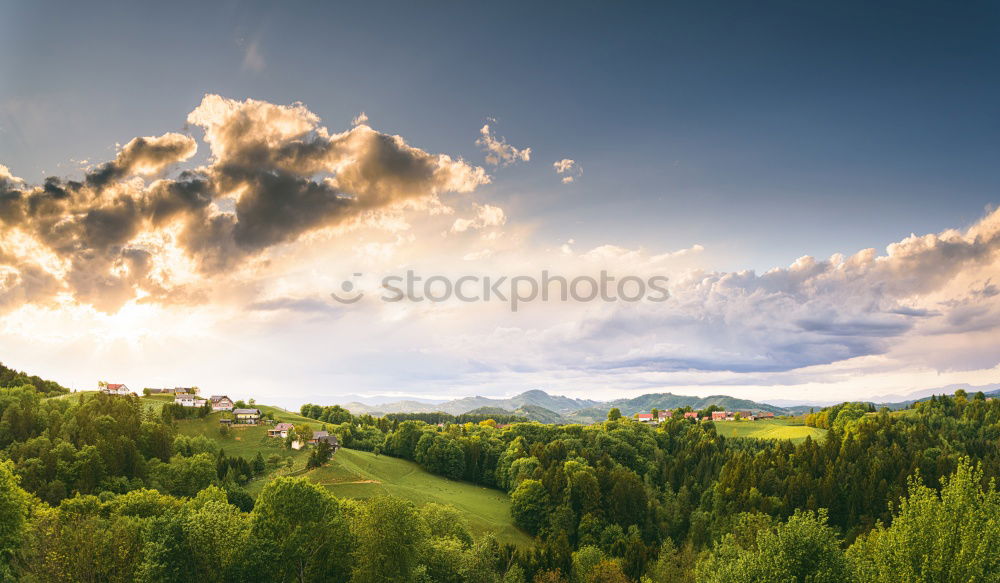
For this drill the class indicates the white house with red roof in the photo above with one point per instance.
(115, 389)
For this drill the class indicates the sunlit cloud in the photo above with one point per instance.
(569, 169)
(498, 151)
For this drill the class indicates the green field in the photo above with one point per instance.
(792, 429)
(358, 474)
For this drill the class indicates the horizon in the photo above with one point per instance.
(223, 205)
(375, 401)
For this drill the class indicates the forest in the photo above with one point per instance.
(97, 488)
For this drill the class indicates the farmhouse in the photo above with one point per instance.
(247, 416)
(720, 415)
(644, 417)
(319, 436)
(221, 403)
(115, 389)
(316, 438)
(691, 415)
(189, 400)
(280, 430)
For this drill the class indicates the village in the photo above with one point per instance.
(233, 413)
(656, 417)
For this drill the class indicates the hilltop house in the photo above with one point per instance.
(317, 437)
(247, 416)
(280, 430)
(189, 400)
(221, 403)
(115, 389)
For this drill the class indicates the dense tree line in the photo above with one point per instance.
(12, 378)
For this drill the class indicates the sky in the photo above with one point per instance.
(183, 185)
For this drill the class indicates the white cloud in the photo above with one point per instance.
(360, 119)
(498, 151)
(569, 168)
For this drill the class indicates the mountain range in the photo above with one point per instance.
(538, 405)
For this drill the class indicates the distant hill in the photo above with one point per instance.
(556, 404)
(529, 412)
(407, 406)
(537, 398)
(12, 378)
(540, 406)
(645, 403)
(992, 390)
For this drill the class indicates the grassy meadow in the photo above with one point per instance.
(794, 429)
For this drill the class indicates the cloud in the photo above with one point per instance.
(274, 175)
(253, 60)
(486, 216)
(813, 312)
(145, 156)
(498, 151)
(360, 119)
(570, 168)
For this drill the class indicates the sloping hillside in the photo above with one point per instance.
(356, 474)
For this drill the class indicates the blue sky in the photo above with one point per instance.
(841, 126)
(761, 132)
